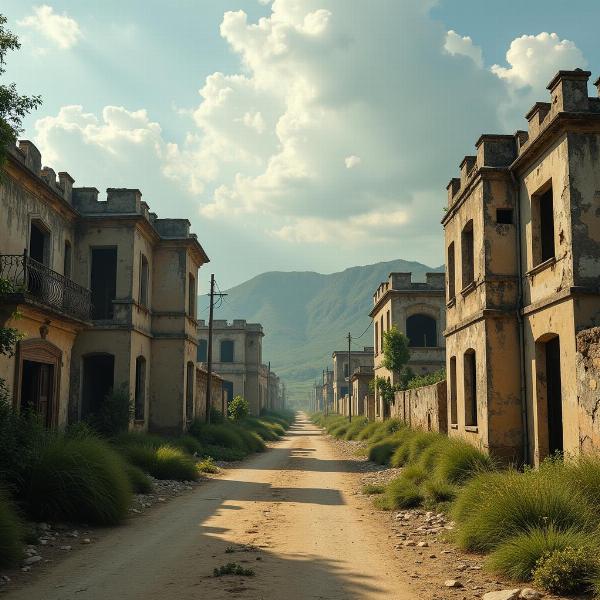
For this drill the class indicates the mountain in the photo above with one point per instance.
(307, 315)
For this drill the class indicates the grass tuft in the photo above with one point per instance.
(400, 493)
(208, 466)
(140, 482)
(11, 534)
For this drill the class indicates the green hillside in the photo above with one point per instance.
(306, 316)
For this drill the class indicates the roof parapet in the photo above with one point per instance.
(466, 166)
(569, 91)
(496, 150)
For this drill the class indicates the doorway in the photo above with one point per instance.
(37, 390)
(98, 381)
(554, 396)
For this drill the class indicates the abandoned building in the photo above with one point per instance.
(327, 390)
(341, 374)
(106, 293)
(418, 310)
(522, 233)
(363, 401)
(237, 358)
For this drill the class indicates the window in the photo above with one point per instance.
(381, 332)
(192, 296)
(504, 216)
(67, 260)
(376, 338)
(421, 331)
(389, 321)
(202, 350)
(470, 388)
(227, 351)
(39, 243)
(343, 391)
(468, 258)
(546, 225)
(451, 273)
(189, 391)
(453, 407)
(228, 390)
(140, 388)
(98, 381)
(103, 282)
(144, 281)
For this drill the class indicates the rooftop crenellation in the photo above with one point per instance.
(402, 282)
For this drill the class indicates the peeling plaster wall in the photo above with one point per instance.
(422, 408)
(588, 388)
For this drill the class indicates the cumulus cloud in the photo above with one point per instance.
(457, 44)
(60, 29)
(352, 161)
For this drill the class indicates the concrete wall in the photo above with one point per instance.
(422, 408)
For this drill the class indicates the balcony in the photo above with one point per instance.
(37, 282)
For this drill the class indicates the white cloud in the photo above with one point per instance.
(457, 44)
(61, 30)
(352, 161)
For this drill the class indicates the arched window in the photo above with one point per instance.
(470, 388)
(227, 351)
(421, 331)
(144, 281)
(202, 350)
(140, 388)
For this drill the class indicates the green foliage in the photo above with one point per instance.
(217, 435)
(357, 425)
(371, 489)
(13, 106)
(387, 428)
(400, 493)
(381, 452)
(459, 461)
(76, 479)
(207, 465)
(238, 408)
(252, 440)
(424, 380)
(224, 454)
(163, 462)
(566, 571)
(517, 557)
(114, 414)
(418, 442)
(439, 492)
(233, 569)
(140, 482)
(385, 389)
(11, 534)
(395, 350)
(370, 430)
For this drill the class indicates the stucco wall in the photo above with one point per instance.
(588, 388)
(422, 408)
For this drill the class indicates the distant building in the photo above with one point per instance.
(363, 401)
(237, 359)
(327, 390)
(341, 374)
(417, 310)
(107, 296)
(522, 233)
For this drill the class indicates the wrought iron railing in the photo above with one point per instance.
(48, 287)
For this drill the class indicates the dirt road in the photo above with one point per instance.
(289, 514)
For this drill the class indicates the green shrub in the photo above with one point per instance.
(400, 493)
(372, 488)
(380, 452)
(172, 463)
(221, 453)
(232, 569)
(187, 443)
(207, 466)
(370, 430)
(415, 473)
(77, 479)
(11, 534)
(114, 413)
(429, 456)
(218, 435)
(402, 453)
(423, 380)
(252, 441)
(387, 428)
(566, 571)
(268, 431)
(517, 557)
(496, 506)
(357, 425)
(459, 461)
(339, 431)
(438, 492)
(419, 442)
(140, 482)
(583, 473)
(238, 408)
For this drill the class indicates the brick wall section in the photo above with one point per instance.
(588, 388)
(422, 408)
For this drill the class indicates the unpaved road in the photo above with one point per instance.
(310, 538)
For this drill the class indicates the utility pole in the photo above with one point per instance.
(209, 353)
(269, 387)
(349, 380)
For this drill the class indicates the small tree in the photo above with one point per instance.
(238, 408)
(395, 350)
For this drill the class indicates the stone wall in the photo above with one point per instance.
(588, 388)
(422, 408)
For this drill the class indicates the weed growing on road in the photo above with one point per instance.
(233, 569)
(208, 466)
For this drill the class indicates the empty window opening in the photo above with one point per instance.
(103, 282)
(202, 351)
(468, 258)
(39, 243)
(343, 390)
(98, 382)
(389, 320)
(227, 351)
(381, 332)
(192, 296)
(470, 388)
(548, 375)
(504, 216)
(144, 274)
(546, 225)
(140, 388)
(67, 260)
(421, 331)
(228, 391)
(451, 273)
(376, 338)
(189, 392)
(37, 390)
(453, 404)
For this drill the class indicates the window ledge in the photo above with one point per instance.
(541, 267)
(472, 428)
(467, 289)
(451, 303)
(453, 425)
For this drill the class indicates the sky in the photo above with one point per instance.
(293, 134)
